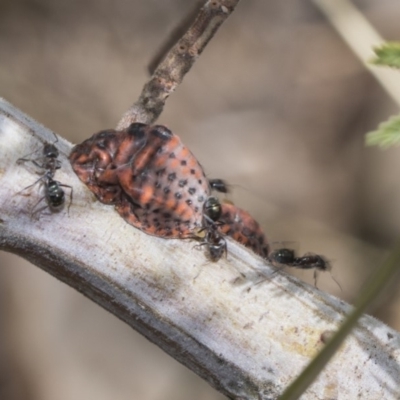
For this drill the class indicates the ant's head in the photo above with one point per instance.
(282, 256)
(50, 151)
(218, 185)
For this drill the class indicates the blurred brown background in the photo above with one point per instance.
(277, 105)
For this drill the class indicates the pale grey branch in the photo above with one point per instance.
(248, 341)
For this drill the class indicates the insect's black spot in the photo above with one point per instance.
(172, 176)
(200, 199)
(160, 172)
(167, 190)
(167, 215)
(160, 150)
(200, 182)
(189, 202)
(147, 206)
(157, 185)
(156, 211)
(183, 162)
(172, 155)
(182, 183)
(192, 191)
(178, 195)
(196, 209)
(192, 171)
(144, 175)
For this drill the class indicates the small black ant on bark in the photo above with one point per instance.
(213, 239)
(48, 163)
(287, 257)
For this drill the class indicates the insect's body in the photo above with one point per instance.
(154, 181)
(287, 257)
(48, 164)
(310, 261)
(54, 194)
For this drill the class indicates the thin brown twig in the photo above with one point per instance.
(170, 72)
(173, 37)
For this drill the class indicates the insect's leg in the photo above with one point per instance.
(33, 184)
(35, 212)
(315, 277)
(70, 194)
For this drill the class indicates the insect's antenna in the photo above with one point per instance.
(329, 269)
(335, 280)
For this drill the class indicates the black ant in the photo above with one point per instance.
(215, 242)
(287, 257)
(49, 164)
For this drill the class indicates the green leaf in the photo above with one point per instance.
(388, 54)
(387, 134)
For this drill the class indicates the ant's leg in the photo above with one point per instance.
(70, 194)
(34, 162)
(315, 277)
(35, 212)
(33, 184)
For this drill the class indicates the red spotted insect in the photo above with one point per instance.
(154, 181)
